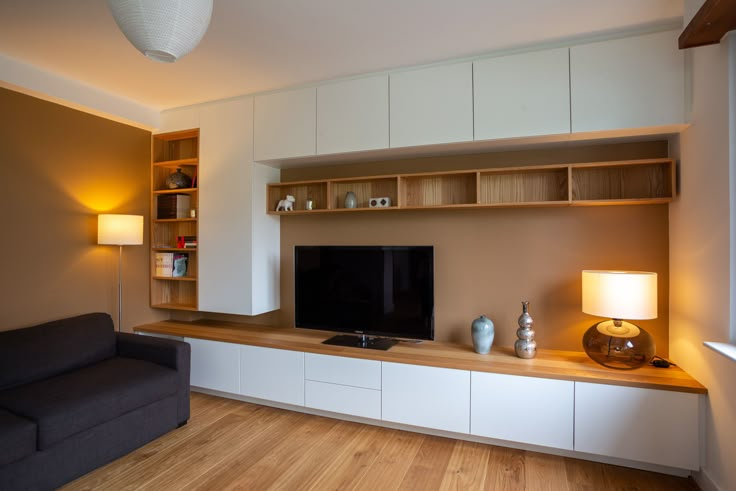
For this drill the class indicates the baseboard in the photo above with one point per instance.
(704, 481)
(674, 471)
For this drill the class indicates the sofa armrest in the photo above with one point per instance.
(166, 352)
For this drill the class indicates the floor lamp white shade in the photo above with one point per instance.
(120, 230)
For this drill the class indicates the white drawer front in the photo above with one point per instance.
(343, 371)
(343, 399)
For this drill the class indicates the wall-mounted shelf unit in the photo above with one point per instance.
(169, 153)
(632, 182)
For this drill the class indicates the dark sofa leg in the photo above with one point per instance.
(182, 424)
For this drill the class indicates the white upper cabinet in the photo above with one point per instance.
(352, 115)
(432, 105)
(627, 83)
(285, 124)
(238, 243)
(522, 95)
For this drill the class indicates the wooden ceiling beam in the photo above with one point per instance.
(714, 19)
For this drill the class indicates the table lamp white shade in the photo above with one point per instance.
(620, 294)
(120, 229)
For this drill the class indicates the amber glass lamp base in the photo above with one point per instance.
(619, 344)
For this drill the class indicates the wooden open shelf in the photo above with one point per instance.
(647, 181)
(169, 152)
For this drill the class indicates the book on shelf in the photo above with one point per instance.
(180, 265)
(186, 241)
(170, 206)
(164, 262)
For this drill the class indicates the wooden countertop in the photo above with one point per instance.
(562, 365)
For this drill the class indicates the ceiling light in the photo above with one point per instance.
(163, 30)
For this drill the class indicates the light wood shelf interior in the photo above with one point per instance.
(647, 181)
(170, 152)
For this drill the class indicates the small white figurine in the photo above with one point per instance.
(286, 204)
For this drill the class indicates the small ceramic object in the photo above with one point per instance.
(525, 346)
(286, 204)
(350, 200)
(483, 332)
(309, 205)
(178, 180)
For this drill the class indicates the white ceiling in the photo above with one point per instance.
(260, 45)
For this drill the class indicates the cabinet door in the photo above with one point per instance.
(272, 374)
(627, 83)
(238, 243)
(522, 409)
(522, 95)
(426, 396)
(215, 365)
(285, 124)
(646, 425)
(432, 105)
(352, 115)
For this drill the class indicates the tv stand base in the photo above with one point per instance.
(361, 341)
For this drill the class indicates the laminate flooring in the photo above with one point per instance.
(237, 445)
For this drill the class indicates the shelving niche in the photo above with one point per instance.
(632, 182)
(169, 152)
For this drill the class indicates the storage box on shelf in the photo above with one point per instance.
(647, 181)
(172, 217)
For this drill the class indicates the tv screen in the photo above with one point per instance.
(374, 290)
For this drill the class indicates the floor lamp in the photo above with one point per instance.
(120, 230)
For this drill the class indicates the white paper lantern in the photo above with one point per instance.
(163, 30)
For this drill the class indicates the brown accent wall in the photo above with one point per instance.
(488, 261)
(59, 168)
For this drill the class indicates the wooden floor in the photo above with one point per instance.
(236, 445)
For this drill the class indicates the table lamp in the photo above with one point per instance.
(120, 230)
(619, 295)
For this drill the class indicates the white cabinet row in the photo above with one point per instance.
(636, 424)
(238, 243)
(614, 84)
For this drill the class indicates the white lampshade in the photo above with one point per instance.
(163, 30)
(120, 229)
(620, 294)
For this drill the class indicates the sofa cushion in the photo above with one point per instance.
(49, 349)
(18, 437)
(67, 404)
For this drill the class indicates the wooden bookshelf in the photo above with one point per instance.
(170, 152)
(649, 181)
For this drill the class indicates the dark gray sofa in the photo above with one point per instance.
(75, 395)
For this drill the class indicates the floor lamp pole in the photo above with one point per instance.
(120, 289)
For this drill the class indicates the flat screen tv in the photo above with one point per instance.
(378, 292)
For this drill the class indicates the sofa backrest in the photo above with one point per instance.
(42, 351)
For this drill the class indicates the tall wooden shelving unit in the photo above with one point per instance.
(169, 152)
(632, 182)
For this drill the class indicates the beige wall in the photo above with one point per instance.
(699, 259)
(488, 261)
(59, 168)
